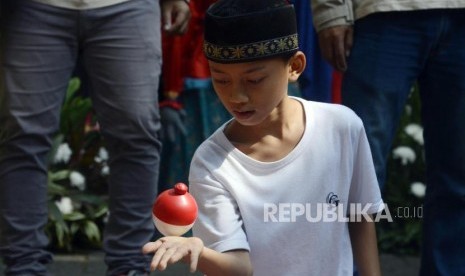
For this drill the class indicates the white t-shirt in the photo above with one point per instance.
(267, 207)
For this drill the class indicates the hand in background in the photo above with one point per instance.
(172, 123)
(175, 16)
(335, 45)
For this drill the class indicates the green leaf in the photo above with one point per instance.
(91, 231)
(74, 228)
(74, 216)
(60, 234)
(55, 189)
(59, 175)
(87, 198)
(101, 211)
(73, 87)
(54, 213)
(57, 141)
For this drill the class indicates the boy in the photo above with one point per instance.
(265, 180)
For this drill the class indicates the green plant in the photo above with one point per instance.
(404, 187)
(77, 177)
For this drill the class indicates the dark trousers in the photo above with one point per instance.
(391, 51)
(121, 50)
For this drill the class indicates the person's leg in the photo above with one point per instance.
(383, 65)
(122, 56)
(388, 54)
(37, 58)
(442, 88)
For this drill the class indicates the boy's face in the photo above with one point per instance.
(252, 91)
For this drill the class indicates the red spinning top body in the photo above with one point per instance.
(174, 211)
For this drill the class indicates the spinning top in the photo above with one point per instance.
(174, 211)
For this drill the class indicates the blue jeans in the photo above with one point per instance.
(121, 50)
(390, 52)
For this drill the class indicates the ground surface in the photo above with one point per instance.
(92, 264)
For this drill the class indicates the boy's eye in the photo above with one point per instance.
(255, 81)
(220, 81)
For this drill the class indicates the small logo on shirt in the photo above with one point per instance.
(332, 199)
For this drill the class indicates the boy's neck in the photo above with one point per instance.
(272, 139)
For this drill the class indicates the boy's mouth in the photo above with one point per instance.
(243, 114)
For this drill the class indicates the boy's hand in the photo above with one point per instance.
(169, 250)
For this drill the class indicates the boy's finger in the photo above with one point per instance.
(166, 257)
(151, 246)
(193, 265)
(194, 260)
(177, 256)
(157, 257)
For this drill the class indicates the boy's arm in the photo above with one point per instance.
(234, 263)
(364, 247)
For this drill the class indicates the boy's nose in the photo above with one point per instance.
(238, 95)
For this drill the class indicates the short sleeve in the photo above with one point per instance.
(219, 223)
(364, 189)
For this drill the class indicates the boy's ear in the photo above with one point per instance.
(297, 65)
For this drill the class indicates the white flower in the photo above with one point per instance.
(418, 189)
(408, 110)
(412, 129)
(406, 154)
(77, 180)
(102, 155)
(106, 217)
(65, 205)
(416, 132)
(63, 154)
(105, 171)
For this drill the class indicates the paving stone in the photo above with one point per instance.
(91, 264)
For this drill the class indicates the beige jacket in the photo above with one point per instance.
(328, 13)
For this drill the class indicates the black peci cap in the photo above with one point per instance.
(248, 30)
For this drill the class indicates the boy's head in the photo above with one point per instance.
(253, 54)
(239, 31)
